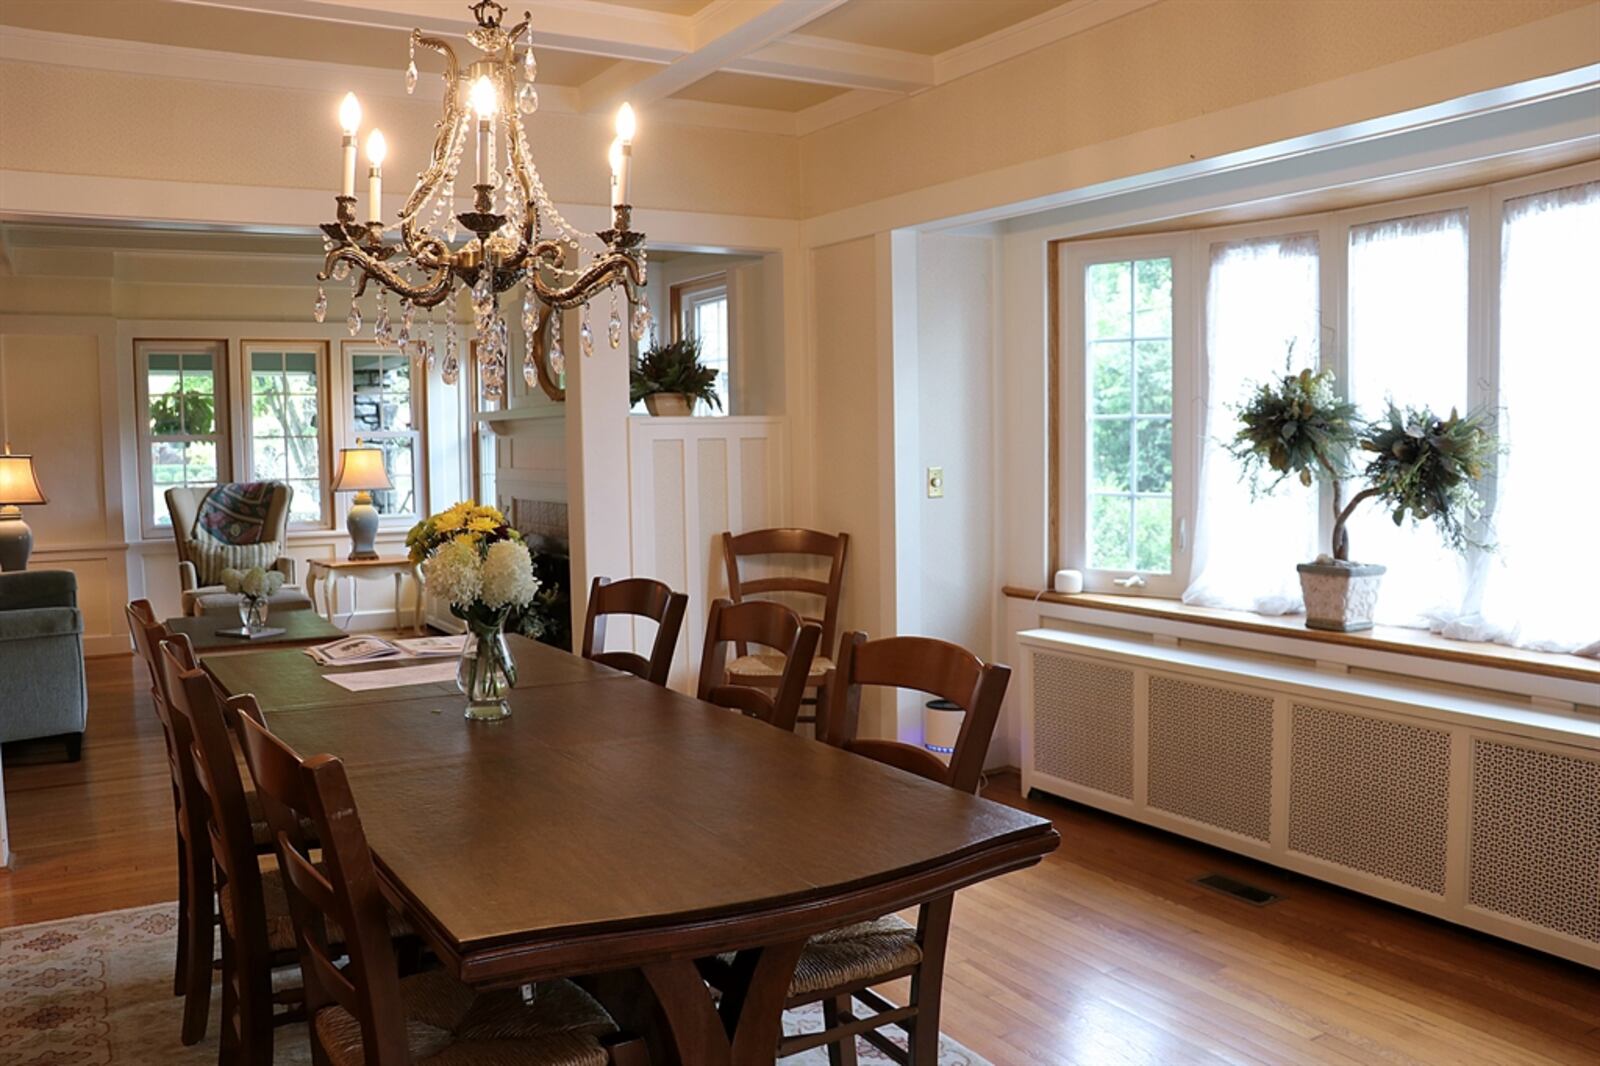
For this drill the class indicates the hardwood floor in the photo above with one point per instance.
(1106, 953)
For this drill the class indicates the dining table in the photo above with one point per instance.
(620, 831)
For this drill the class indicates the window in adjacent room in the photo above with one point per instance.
(386, 402)
(182, 412)
(286, 424)
(700, 309)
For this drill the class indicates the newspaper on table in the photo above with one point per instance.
(366, 648)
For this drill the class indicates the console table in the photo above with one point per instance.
(328, 572)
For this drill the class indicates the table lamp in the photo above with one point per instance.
(361, 470)
(19, 484)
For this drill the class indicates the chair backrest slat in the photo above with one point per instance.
(344, 890)
(645, 598)
(923, 664)
(771, 625)
(832, 547)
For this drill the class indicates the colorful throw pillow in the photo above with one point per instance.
(211, 557)
(236, 513)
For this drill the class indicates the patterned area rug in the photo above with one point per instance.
(97, 991)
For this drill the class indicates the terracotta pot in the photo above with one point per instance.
(669, 403)
(1340, 596)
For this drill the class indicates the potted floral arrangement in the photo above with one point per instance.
(254, 587)
(1421, 465)
(669, 378)
(479, 565)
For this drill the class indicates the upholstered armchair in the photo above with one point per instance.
(42, 688)
(240, 525)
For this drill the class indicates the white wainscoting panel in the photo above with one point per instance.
(691, 480)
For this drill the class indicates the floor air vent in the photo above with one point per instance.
(1240, 890)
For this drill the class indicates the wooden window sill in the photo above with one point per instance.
(1380, 638)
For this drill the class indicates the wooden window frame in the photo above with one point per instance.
(324, 413)
(419, 423)
(143, 348)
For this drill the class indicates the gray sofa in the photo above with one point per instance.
(42, 688)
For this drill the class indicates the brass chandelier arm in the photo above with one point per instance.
(429, 294)
(429, 252)
(605, 270)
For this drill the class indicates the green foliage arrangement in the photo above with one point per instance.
(1298, 425)
(674, 367)
(1428, 467)
(1422, 465)
(177, 408)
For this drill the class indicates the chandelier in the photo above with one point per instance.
(512, 236)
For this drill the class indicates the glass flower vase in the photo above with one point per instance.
(486, 672)
(253, 612)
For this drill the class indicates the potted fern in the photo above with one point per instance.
(669, 378)
(1420, 465)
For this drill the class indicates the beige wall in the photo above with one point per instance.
(1158, 66)
(70, 120)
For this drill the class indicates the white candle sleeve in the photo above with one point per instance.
(348, 188)
(375, 195)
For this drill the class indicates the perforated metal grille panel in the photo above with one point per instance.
(1370, 794)
(1535, 851)
(1083, 723)
(1211, 755)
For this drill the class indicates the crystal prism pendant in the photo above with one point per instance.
(403, 337)
(450, 373)
(527, 98)
(341, 270)
(614, 328)
(530, 371)
(530, 65)
(411, 77)
(641, 320)
(585, 336)
(319, 310)
(558, 358)
(352, 321)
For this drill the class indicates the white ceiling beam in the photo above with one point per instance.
(723, 32)
(828, 62)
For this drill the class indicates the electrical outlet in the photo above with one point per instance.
(935, 482)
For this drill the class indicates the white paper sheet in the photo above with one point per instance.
(395, 677)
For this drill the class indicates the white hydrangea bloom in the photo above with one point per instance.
(454, 572)
(508, 579)
(254, 582)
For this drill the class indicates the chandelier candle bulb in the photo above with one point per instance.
(622, 154)
(350, 121)
(484, 103)
(376, 150)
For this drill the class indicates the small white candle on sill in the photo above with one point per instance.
(376, 150)
(350, 121)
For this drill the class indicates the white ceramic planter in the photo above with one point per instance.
(1340, 596)
(669, 403)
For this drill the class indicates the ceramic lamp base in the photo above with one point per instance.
(362, 524)
(16, 540)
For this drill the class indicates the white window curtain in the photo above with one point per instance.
(1540, 588)
(1408, 342)
(1261, 296)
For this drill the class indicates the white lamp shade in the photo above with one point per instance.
(361, 470)
(18, 482)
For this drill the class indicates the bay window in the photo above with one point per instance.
(1481, 298)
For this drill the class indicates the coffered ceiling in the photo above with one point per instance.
(786, 65)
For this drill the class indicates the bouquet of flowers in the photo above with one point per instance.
(253, 587)
(479, 565)
(254, 583)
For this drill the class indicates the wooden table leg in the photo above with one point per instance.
(311, 589)
(746, 1029)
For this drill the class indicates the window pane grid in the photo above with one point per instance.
(1128, 328)
(383, 415)
(181, 423)
(285, 428)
